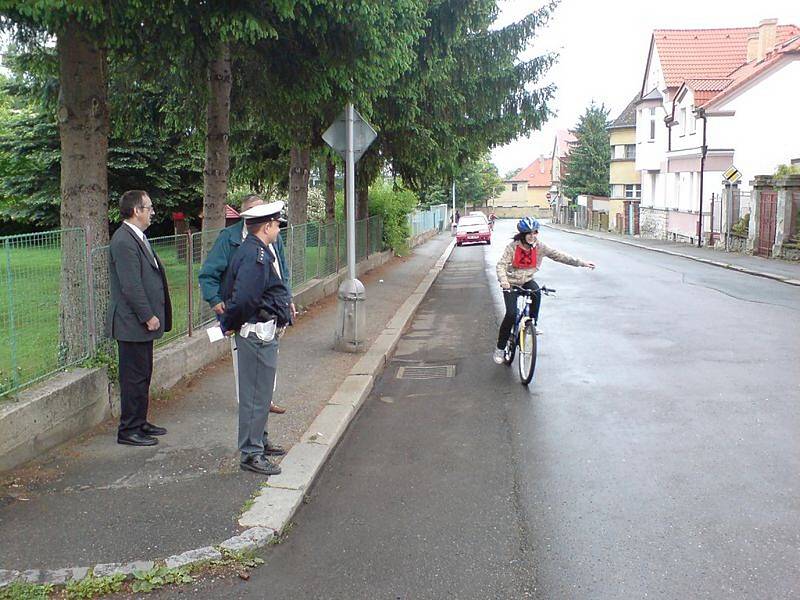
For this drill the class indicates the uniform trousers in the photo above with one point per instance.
(135, 371)
(257, 362)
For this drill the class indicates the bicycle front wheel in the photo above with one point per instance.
(527, 353)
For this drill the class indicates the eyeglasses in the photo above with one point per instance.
(150, 208)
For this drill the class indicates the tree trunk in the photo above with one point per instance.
(217, 167)
(83, 122)
(300, 161)
(330, 190)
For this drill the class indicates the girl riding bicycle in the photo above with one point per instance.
(520, 261)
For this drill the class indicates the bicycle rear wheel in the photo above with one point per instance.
(527, 353)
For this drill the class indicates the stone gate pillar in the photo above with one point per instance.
(760, 184)
(786, 187)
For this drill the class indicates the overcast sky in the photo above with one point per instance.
(603, 47)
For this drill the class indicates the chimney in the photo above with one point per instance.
(767, 36)
(752, 47)
(541, 163)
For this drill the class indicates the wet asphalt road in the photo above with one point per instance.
(655, 454)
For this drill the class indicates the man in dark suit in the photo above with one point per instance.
(139, 312)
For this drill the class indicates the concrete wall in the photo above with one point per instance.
(653, 223)
(72, 402)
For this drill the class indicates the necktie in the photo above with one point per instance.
(150, 250)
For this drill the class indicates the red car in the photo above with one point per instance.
(473, 229)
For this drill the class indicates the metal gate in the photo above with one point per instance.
(767, 218)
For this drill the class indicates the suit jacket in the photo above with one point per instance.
(138, 290)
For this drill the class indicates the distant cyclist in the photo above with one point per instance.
(520, 261)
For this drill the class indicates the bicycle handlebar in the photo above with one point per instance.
(526, 292)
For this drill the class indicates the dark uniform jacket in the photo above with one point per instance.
(213, 270)
(252, 290)
(138, 290)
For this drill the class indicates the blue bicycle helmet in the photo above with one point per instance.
(527, 225)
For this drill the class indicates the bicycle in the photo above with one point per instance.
(523, 335)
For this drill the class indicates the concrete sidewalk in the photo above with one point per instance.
(772, 268)
(93, 502)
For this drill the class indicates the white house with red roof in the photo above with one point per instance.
(730, 92)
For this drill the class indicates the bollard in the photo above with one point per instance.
(351, 316)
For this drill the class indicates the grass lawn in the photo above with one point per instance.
(29, 309)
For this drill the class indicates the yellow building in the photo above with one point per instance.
(625, 181)
(528, 188)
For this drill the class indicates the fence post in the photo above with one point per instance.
(90, 299)
(11, 333)
(290, 248)
(319, 249)
(189, 272)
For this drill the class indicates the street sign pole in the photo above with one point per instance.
(350, 135)
(453, 227)
(351, 193)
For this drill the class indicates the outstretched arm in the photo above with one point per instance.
(563, 257)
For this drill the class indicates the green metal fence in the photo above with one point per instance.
(421, 221)
(39, 341)
(35, 300)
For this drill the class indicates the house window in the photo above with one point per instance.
(652, 124)
(633, 191)
(619, 152)
(617, 190)
(513, 187)
(683, 121)
(691, 119)
(630, 151)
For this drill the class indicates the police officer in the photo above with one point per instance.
(218, 259)
(257, 310)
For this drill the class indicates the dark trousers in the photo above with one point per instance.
(511, 311)
(135, 370)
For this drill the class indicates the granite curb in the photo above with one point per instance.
(708, 261)
(281, 496)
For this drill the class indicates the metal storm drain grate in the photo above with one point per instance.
(434, 372)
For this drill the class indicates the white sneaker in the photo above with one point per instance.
(538, 331)
(499, 356)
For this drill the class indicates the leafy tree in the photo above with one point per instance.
(295, 84)
(476, 184)
(467, 91)
(143, 152)
(589, 165)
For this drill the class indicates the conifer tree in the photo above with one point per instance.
(588, 167)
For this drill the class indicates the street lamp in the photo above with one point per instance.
(700, 113)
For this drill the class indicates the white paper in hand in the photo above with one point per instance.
(214, 333)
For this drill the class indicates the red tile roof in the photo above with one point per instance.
(230, 212)
(750, 71)
(707, 53)
(537, 174)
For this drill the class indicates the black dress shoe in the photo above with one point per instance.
(258, 463)
(136, 439)
(271, 449)
(150, 429)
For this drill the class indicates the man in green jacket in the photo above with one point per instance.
(218, 259)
